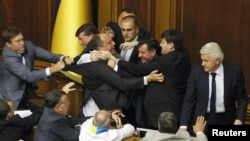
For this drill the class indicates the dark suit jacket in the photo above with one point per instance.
(55, 127)
(105, 86)
(166, 96)
(197, 94)
(18, 128)
(15, 75)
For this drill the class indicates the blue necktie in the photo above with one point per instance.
(213, 97)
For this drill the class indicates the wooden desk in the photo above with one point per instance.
(248, 113)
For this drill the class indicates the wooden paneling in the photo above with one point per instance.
(165, 16)
(106, 7)
(33, 17)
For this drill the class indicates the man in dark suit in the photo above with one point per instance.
(148, 51)
(175, 65)
(55, 124)
(130, 32)
(84, 34)
(14, 127)
(18, 76)
(231, 99)
(105, 86)
(114, 28)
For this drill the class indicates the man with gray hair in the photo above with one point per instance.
(215, 90)
(167, 126)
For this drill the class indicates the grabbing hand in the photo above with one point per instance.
(116, 116)
(128, 45)
(57, 67)
(155, 76)
(111, 63)
(68, 60)
(101, 55)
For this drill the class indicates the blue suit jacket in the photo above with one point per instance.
(197, 94)
(15, 75)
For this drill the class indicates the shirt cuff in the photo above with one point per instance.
(145, 80)
(183, 127)
(61, 58)
(85, 58)
(47, 72)
(199, 132)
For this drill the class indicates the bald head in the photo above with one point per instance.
(102, 119)
(101, 42)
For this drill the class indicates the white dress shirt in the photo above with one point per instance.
(89, 134)
(220, 108)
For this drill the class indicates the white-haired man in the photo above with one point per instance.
(221, 99)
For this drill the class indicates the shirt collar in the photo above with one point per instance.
(219, 70)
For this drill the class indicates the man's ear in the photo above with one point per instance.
(58, 108)
(172, 46)
(8, 44)
(137, 30)
(8, 116)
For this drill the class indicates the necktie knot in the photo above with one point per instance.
(213, 74)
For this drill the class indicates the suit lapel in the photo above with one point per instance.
(205, 77)
(227, 80)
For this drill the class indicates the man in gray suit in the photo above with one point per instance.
(167, 126)
(18, 77)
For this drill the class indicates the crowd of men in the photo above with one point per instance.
(130, 80)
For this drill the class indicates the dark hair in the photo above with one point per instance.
(128, 10)
(53, 98)
(4, 108)
(133, 18)
(173, 36)
(152, 44)
(88, 29)
(93, 43)
(10, 33)
(167, 122)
